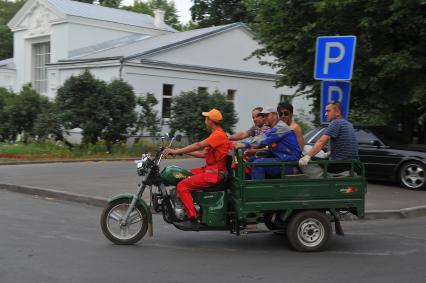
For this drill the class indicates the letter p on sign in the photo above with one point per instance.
(334, 58)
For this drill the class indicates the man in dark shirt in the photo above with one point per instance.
(341, 135)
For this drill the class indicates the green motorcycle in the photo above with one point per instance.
(128, 218)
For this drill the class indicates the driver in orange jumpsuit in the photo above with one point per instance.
(215, 150)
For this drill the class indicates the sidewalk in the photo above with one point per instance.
(94, 182)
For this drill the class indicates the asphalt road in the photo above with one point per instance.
(48, 241)
(105, 179)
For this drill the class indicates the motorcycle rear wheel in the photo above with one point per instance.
(116, 231)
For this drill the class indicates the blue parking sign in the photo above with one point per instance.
(335, 91)
(334, 58)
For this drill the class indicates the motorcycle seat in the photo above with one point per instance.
(221, 186)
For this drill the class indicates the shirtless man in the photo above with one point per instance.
(285, 111)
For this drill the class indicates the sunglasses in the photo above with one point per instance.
(260, 115)
(285, 113)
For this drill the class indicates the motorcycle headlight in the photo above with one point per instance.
(142, 165)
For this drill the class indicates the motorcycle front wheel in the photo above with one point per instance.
(116, 230)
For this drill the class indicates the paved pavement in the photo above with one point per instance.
(46, 241)
(105, 179)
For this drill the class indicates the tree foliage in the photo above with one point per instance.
(48, 123)
(121, 102)
(148, 120)
(171, 16)
(7, 11)
(19, 112)
(390, 66)
(220, 12)
(109, 3)
(101, 110)
(83, 104)
(85, 1)
(186, 113)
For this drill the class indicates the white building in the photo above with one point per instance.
(54, 39)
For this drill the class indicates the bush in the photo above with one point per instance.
(100, 109)
(186, 113)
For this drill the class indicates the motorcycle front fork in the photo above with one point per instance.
(141, 188)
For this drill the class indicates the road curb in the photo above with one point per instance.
(64, 161)
(75, 161)
(100, 202)
(55, 194)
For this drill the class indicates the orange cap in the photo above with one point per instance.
(213, 115)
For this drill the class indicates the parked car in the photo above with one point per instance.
(386, 156)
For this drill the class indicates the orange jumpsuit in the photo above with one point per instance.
(209, 174)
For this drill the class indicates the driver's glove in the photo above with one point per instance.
(304, 160)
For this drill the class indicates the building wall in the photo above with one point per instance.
(227, 50)
(7, 78)
(57, 77)
(249, 92)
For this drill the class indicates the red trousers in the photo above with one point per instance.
(199, 181)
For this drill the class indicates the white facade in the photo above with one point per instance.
(213, 58)
(41, 21)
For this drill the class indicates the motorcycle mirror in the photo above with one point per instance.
(178, 137)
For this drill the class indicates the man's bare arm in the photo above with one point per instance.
(187, 149)
(318, 145)
(239, 136)
(197, 154)
(299, 136)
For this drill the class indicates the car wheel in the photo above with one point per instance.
(412, 175)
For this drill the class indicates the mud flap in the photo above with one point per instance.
(337, 226)
(150, 230)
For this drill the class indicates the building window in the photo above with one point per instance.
(167, 100)
(41, 57)
(286, 98)
(202, 89)
(230, 96)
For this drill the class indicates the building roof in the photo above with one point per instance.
(7, 64)
(97, 12)
(148, 45)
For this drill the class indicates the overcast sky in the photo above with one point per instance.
(181, 5)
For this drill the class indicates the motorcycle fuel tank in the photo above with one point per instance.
(172, 175)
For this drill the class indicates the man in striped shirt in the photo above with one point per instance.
(341, 135)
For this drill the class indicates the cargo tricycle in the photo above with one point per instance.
(301, 206)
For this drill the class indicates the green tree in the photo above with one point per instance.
(186, 113)
(390, 66)
(209, 13)
(171, 16)
(83, 103)
(109, 3)
(121, 106)
(140, 7)
(7, 11)
(7, 100)
(25, 108)
(48, 123)
(85, 1)
(189, 26)
(148, 117)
